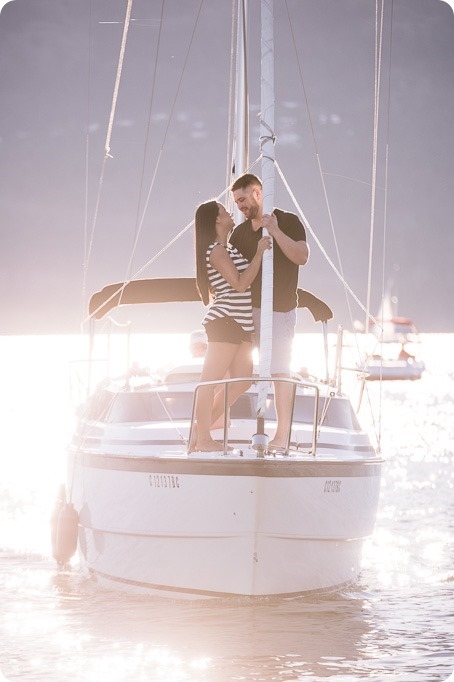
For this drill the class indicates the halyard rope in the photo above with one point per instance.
(110, 125)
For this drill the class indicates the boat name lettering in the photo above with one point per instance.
(163, 481)
(332, 486)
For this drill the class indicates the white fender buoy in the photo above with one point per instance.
(64, 531)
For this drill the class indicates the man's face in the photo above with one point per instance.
(248, 201)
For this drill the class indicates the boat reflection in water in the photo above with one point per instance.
(310, 635)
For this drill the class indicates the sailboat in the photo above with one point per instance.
(148, 515)
(398, 344)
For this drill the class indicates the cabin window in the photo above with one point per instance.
(97, 406)
(143, 407)
(339, 413)
(162, 406)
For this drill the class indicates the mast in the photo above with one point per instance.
(241, 160)
(241, 163)
(267, 139)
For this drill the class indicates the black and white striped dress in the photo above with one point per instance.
(228, 302)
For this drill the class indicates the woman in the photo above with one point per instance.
(223, 279)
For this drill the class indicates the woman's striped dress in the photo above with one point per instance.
(228, 302)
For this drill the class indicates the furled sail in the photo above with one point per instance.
(267, 153)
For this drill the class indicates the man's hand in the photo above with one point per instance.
(270, 222)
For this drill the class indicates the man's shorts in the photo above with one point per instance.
(283, 334)
(226, 330)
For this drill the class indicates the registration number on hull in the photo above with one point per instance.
(332, 486)
(163, 481)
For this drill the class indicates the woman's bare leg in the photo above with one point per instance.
(218, 359)
(241, 366)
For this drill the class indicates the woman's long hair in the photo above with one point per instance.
(205, 234)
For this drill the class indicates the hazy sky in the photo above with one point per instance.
(58, 64)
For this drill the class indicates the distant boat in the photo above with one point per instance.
(394, 333)
(393, 369)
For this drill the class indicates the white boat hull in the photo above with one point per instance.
(394, 370)
(232, 526)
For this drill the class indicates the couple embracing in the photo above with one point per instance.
(228, 276)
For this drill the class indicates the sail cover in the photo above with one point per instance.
(176, 290)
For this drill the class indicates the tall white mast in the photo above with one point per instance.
(242, 95)
(241, 151)
(267, 152)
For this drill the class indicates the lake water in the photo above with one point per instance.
(396, 623)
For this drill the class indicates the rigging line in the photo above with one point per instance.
(320, 246)
(87, 151)
(110, 125)
(121, 289)
(159, 253)
(229, 160)
(172, 419)
(378, 58)
(145, 146)
(118, 78)
(385, 217)
(378, 54)
(183, 231)
(147, 201)
(388, 116)
(322, 177)
(242, 94)
(348, 177)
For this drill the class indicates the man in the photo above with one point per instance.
(198, 343)
(290, 250)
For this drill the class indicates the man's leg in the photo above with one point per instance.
(283, 336)
(283, 394)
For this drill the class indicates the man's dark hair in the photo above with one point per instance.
(245, 181)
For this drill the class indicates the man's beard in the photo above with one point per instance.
(253, 211)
